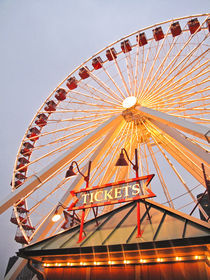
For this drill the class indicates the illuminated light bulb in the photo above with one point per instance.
(159, 259)
(109, 262)
(129, 102)
(178, 259)
(81, 263)
(197, 257)
(95, 263)
(45, 264)
(56, 217)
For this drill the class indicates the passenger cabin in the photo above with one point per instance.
(60, 94)
(33, 134)
(97, 63)
(27, 149)
(158, 33)
(126, 46)
(84, 72)
(175, 29)
(194, 25)
(41, 120)
(111, 54)
(72, 83)
(50, 106)
(141, 39)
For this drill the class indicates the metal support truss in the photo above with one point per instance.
(186, 126)
(53, 168)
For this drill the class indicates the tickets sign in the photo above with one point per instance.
(122, 191)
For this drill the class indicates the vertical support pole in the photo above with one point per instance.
(136, 166)
(87, 178)
(207, 182)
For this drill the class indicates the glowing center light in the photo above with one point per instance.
(56, 217)
(129, 102)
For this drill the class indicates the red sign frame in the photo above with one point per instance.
(150, 194)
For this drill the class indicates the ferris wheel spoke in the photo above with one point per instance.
(97, 92)
(150, 73)
(186, 100)
(176, 84)
(150, 70)
(64, 181)
(45, 226)
(189, 102)
(77, 101)
(76, 119)
(99, 120)
(160, 176)
(144, 64)
(195, 110)
(105, 87)
(91, 97)
(172, 67)
(114, 83)
(122, 78)
(164, 84)
(160, 67)
(177, 173)
(113, 140)
(182, 94)
(181, 155)
(110, 165)
(129, 67)
(136, 69)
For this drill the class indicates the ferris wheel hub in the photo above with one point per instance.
(129, 102)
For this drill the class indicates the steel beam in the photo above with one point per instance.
(53, 168)
(194, 129)
(15, 269)
(197, 150)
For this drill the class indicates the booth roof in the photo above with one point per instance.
(117, 231)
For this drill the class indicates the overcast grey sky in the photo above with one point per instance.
(40, 43)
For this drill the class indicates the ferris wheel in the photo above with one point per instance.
(147, 91)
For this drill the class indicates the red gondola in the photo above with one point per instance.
(194, 25)
(72, 83)
(141, 39)
(84, 72)
(111, 54)
(60, 94)
(126, 46)
(175, 29)
(158, 33)
(97, 63)
(33, 134)
(41, 120)
(51, 106)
